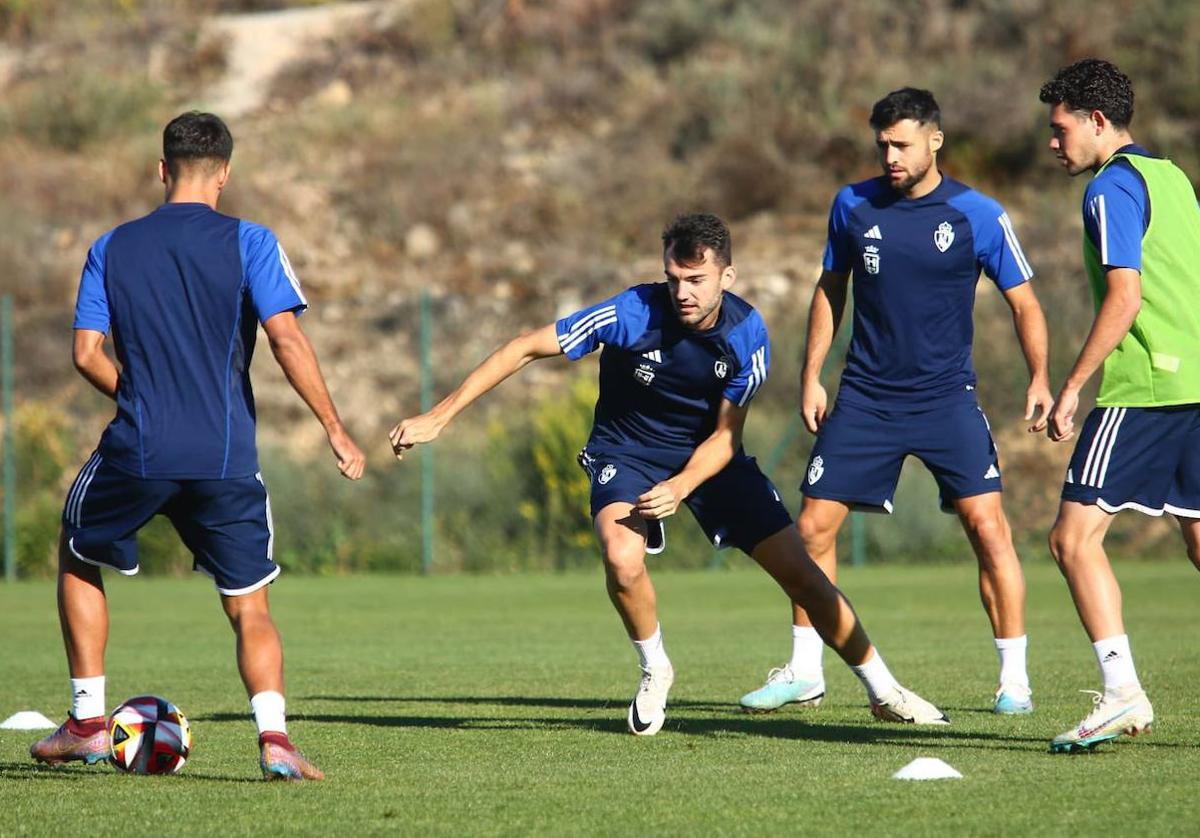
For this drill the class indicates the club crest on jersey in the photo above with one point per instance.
(943, 236)
(815, 469)
(871, 259)
(606, 474)
(721, 368)
(644, 373)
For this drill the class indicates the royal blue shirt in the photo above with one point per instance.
(1116, 212)
(915, 265)
(661, 384)
(182, 290)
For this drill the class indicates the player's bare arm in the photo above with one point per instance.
(298, 361)
(508, 359)
(710, 456)
(1122, 301)
(92, 362)
(1030, 324)
(824, 318)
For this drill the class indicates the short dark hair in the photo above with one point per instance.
(691, 234)
(906, 103)
(196, 137)
(1092, 85)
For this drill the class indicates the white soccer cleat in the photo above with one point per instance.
(906, 707)
(1127, 711)
(648, 710)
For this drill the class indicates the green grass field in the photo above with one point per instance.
(495, 705)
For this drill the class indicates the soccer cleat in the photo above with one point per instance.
(70, 744)
(648, 710)
(1128, 711)
(284, 762)
(784, 687)
(1013, 700)
(905, 706)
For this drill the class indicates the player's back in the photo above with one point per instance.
(183, 325)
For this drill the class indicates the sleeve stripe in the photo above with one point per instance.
(757, 375)
(1014, 246)
(291, 275)
(1103, 223)
(576, 337)
(586, 325)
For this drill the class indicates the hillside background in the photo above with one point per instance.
(518, 159)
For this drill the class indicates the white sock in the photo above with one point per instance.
(1116, 663)
(268, 712)
(876, 677)
(1012, 660)
(87, 697)
(651, 652)
(807, 651)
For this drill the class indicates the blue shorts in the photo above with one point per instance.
(859, 453)
(225, 523)
(737, 507)
(1143, 458)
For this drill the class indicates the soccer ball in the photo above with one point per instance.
(148, 735)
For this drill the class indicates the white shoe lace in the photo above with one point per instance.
(781, 675)
(1098, 709)
(654, 684)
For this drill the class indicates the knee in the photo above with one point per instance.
(246, 612)
(818, 536)
(625, 566)
(1065, 546)
(989, 529)
(1193, 550)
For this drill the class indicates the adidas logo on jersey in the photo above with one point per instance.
(992, 473)
(654, 355)
(873, 233)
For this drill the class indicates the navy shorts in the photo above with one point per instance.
(859, 453)
(737, 507)
(1143, 458)
(225, 523)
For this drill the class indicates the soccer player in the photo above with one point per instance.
(182, 291)
(915, 241)
(682, 361)
(1140, 447)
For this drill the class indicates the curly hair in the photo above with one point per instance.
(906, 103)
(1092, 85)
(691, 234)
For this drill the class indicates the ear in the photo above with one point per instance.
(1099, 120)
(163, 174)
(728, 276)
(936, 139)
(223, 174)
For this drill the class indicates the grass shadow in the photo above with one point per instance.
(37, 771)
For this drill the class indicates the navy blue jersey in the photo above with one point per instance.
(661, 383)
(1116, 212)
(916, 263)
(182, 290)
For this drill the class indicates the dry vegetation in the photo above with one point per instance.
(518, 158)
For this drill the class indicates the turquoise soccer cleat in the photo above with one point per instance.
(784, 687)
(1013, 700)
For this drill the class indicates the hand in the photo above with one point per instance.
(1039, 401)
(351, 461)
(813, 402)
(1062, 424)
(661, 501)
(410, 432)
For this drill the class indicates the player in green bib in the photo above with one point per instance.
(1140, 447)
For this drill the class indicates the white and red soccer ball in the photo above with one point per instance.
(148, 735)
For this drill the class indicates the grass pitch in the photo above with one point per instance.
(495, 705)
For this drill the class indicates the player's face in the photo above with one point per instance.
(696, 289)
(1073, 139)
(908, 153)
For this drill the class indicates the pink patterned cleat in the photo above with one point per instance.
(280, 760)
(74, 741)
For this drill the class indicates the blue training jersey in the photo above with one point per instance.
(661, 383)
(182, 290)
(1116, 212)
(915, 265)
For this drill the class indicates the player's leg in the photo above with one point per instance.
(1189, 528)
(740, 507)
(1125, 458)
(622, 536)
(1002, 591)
(802, 680)
(101, 516)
